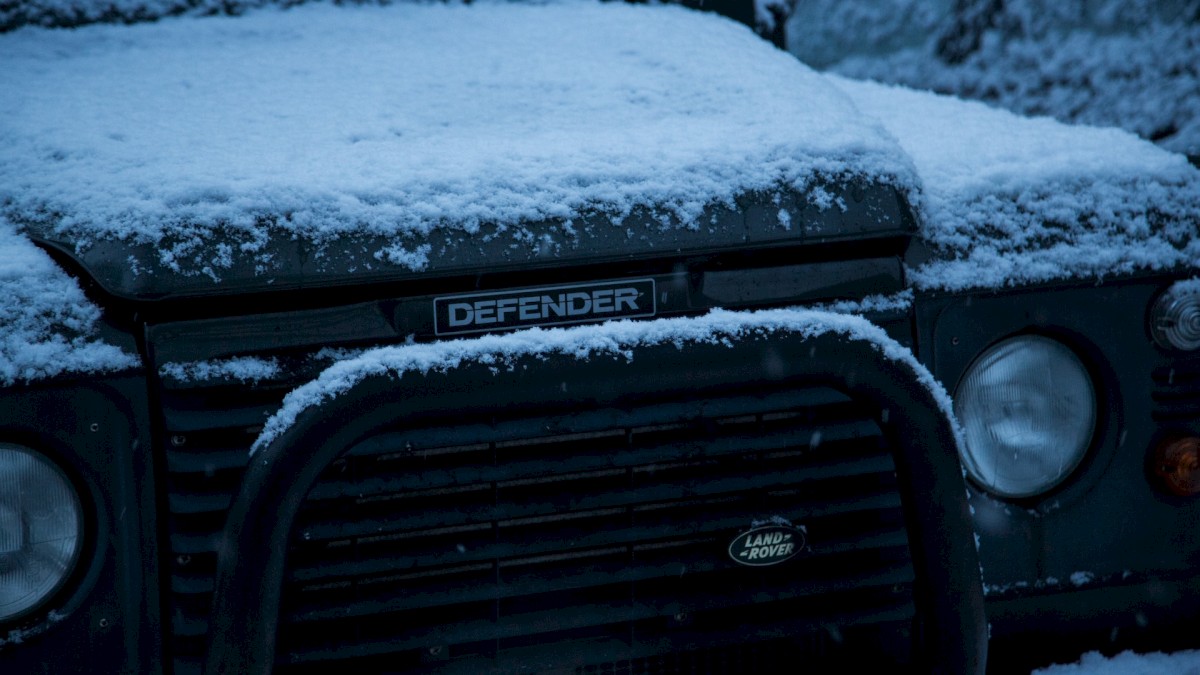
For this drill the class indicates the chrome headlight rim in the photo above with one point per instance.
(74, 563)
(1089, 427)
(1175, 317)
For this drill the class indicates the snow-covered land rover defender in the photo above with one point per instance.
(570, 337)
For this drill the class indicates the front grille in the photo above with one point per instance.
(1176, 392)
(207, 433)
(596, 541)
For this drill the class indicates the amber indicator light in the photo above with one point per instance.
(1177, 465)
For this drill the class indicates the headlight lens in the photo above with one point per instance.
(1175, 317)
(1028, 408)
(41, 530)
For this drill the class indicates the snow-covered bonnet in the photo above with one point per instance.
(1010, 200)
(427, 124)
(318, 122)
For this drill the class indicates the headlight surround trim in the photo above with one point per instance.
(1175, 317)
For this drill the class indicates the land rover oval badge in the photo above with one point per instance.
(766, 546)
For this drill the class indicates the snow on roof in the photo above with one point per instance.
(1185, 662)
(79, 12)
(47, 326)
(613, 339)
(1010, 200)
(1130, 64)
(318, 121)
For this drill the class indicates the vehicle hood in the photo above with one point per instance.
(320, 145)
(1012, 201)
(324, 145)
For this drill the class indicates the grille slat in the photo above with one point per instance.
(197, 503)
(446, 552)
(1176, 392)
(478, 506)
(184, 421)
(411, 476)
(479, 583)
(197, 584)
(594, 420)
(190, 624)
(684, 653)
(207, 461)
(583, 616)
(192, 544)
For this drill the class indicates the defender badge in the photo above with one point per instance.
(767, 545)
(543, 306)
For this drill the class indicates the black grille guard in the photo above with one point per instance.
(253, 550)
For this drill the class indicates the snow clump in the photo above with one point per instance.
(48, 327)
(615, 338)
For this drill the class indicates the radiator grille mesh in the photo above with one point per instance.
(596, 538)
(1176, 392)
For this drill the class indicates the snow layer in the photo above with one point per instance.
(823, 33)
(1129, 663)
(1147, 82)
(895, 302)
(1011, 200)
(1187, 286)
(78, 12)
(614, 339)
(241, 369)
(47, 326)
(1128, 63)
(319, 121)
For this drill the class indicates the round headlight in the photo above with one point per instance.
(41, 530)
(1028, 408)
